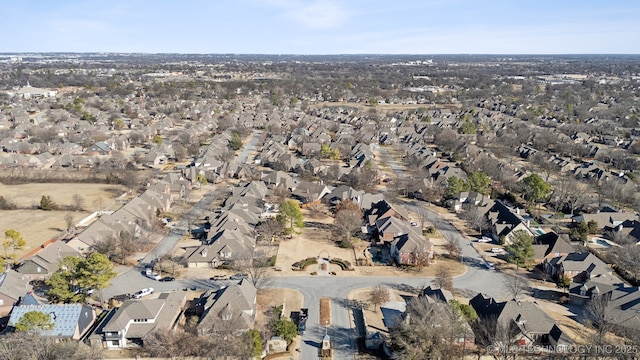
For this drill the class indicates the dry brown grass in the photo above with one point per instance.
(325, 311)
(26, 195)
(38, 226)
(291, 299)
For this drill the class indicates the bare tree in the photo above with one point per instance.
(258, 271)
(422, 217)
(269, 229)
(279, 194)
(347, 222)
(77, 202)
(477, 220)
(516, 285)
(316, 210)
(427, 331)
(443, 278)
(419, 259)
(626, 256)
(489, 331)
(379, 295)
(68, 219)
(172, 261)
(599, 317)
(570, 193)
(453, 247)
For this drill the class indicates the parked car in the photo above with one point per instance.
(218, 277)
(154, 276)
(497, 250)
(238, 276)
(485, 239)
(167, 279)
(302, 321)
(142, 293)
(490, 266)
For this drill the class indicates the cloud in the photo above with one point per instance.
(315, 14)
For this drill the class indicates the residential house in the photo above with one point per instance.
(550, 245)
(229, 309)
(441, 295)
(70, 321)
(98, 148)
(599, 286)
(388, 228)
(383, 209)
(608, 219)
(467, 199)
(279, 178)
(311, 148)
(224, 247)
(440, 315)
(13, 286)
(130, 325)
(505, 221)
(343, 192)
(578, 266)
(518, 323)
(45, 260)
(308, 192)
(622, 302)
(411, 249)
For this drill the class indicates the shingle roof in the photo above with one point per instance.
(12, 285)
(235, 303)
(164, 310)
(65, 317)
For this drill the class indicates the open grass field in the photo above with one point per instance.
(37, 226)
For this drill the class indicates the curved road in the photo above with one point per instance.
(476, 279)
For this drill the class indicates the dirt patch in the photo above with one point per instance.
(325, 311)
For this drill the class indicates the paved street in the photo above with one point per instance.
(248, 148)
(476, 279)
(134, 280)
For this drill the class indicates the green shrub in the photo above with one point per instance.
(304, 263)
(344, 264)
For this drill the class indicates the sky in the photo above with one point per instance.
(322, 26)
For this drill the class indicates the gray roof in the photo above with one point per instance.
(12, 285)
(66, 317)
(164, 310)
(232, 308)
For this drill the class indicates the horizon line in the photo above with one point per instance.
(318, 54)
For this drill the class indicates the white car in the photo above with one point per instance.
(142, 293)
(485, 239)
(497, 250)
(154, 276)
(490, 266)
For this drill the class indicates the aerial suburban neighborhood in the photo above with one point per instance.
(319, 207)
